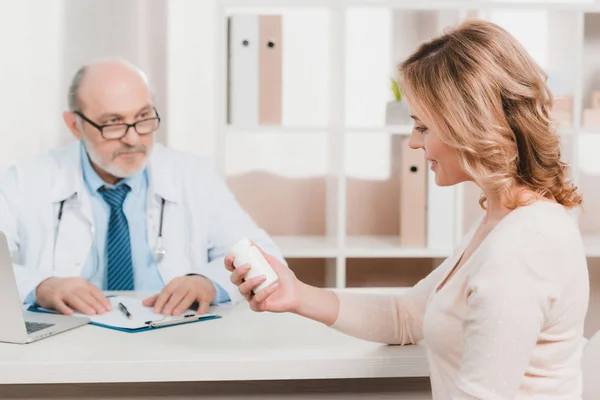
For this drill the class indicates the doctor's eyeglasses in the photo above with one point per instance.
(117, 131)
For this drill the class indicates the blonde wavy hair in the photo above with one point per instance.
(488, 100)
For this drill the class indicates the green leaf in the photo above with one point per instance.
(396, 89)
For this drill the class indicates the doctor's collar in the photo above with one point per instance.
(70, 181)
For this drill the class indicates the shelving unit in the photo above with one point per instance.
(390, 129)
(355, 246)
(309, 213)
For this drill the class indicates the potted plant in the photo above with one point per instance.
(397, 112)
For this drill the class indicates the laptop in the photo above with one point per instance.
(19, 325)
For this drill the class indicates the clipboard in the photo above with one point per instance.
(146, 319)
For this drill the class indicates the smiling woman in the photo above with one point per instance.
(444, 161)
(491, 111)
(503, 316)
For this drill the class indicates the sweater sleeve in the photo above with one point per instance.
(388, 319)
(394, 319)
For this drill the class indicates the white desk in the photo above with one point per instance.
(259, 355)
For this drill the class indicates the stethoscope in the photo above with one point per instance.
(159, 249)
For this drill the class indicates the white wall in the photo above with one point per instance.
(31, 41)
(190, 76)
(45, 42)
(96, 29)
(133, 29)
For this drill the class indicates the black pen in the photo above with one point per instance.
(125, 311)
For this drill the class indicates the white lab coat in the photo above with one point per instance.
(202, 219)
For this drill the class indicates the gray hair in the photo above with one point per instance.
(73, 95)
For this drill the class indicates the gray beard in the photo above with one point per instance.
(111, 169)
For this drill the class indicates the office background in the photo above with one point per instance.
(325, 179)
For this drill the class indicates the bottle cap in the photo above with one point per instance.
(239, 247)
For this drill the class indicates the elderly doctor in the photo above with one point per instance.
(115, 211)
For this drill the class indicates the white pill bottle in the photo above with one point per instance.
(243, 252)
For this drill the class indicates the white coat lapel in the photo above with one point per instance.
(162, 185)
(160, 172)
(69, 181)
(77, 222)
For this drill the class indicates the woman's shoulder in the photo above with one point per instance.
(539, 248)
(543, 231)
(543, 221)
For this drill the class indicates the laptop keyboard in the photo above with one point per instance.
(33, 327)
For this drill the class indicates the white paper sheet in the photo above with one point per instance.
(139, 312)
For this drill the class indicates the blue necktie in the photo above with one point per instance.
(118, 245)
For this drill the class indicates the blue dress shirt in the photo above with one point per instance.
(145, 271)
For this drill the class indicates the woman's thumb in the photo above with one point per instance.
(272, 260)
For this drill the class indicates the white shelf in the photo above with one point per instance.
(377, 247)
(387, 247)
(307, 246)
(391, 129)
(355, 247)
(571, 5)
(275, 129)
(567, 131)
(592, 245)
(397, 290)
(590, 131)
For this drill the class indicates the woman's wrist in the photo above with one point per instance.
(317, 304)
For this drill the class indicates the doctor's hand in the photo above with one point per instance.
(67, 295)
(282, 295)
(181, 293)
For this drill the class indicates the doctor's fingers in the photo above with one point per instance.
(78, 304)
(203, 305)
(184, 304)
(150, 301)
(62, 308)
(175, 300)
(100, 297)
(165, 295)
(98, 307)
(238, 274)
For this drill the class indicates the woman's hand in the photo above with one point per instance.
(280, 296)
